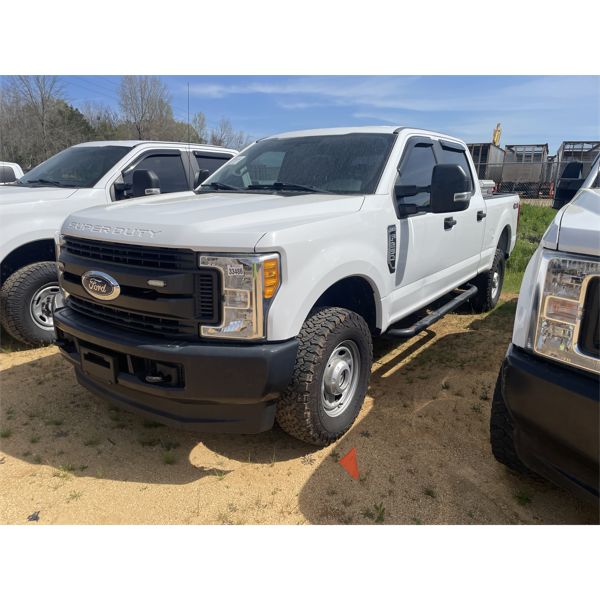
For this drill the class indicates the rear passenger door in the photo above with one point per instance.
(465, 239)
(209, 161)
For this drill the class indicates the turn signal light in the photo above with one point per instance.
(270, 277)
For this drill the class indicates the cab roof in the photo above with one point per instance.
(394, 129)
(134, 143)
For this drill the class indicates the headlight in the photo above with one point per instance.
(59, 242)
(567, 310)
(250, 283)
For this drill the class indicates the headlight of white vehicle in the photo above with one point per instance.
(564, 320)
(250, 282)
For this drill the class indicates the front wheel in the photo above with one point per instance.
(330, 377)
(26, 303)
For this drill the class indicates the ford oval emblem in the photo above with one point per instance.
(100, 285)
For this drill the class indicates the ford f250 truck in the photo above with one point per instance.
(33, 208)
(545, 412)
(256, 298)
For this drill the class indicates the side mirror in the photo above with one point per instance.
(450, 189)
(7, 174)
(200, 177)
(145, 183)
(568, 184)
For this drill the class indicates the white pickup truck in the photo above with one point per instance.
(256, 297)
(545, 412)
(33, 208)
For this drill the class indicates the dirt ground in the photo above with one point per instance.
(421, 442)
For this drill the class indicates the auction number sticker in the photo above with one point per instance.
(235, 270)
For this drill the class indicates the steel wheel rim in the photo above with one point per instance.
(495, 283)
(41, 305)
(340, 378)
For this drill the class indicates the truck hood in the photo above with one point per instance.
(218, 221)
(16, 194)
(580, 224)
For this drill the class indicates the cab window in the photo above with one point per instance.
(169, 169)
(416, 168)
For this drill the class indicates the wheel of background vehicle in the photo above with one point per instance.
(489, 284)
(26, 301)
(501, 433)
(330, 377)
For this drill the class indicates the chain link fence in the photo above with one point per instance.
(529, 180)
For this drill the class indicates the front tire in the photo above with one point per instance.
(26, 303)
(489, 284)
(330, 377)
(502, 433)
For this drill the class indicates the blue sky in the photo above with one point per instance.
(532, 109)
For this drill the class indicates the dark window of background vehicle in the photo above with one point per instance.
(457, 157)
(169, 169)
(79, 166)
(417, 169)
(211, 163)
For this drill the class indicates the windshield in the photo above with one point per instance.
(337, 164)
(77, 167)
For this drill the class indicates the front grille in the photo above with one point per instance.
(589, 332)
(129, 254)
(133, 320)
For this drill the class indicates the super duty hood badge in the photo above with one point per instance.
(137, 232)
(100, 285)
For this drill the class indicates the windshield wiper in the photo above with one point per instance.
(217, 185)
(50, 182)
(280, 185)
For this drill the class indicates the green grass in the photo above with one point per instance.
(532, 225)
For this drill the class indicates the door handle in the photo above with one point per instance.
(449, 222)
(481, 215)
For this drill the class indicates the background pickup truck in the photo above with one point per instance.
(256, 298)
(34, 207)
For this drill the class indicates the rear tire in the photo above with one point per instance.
(330, 378)
(26, 303)
(502, 433)
(489, 284)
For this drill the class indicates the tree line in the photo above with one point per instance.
(37, 121)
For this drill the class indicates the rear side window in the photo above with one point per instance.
(211, 162)
(456, 157)
(169, 169)
(416, 169)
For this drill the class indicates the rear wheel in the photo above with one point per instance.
(26, 303)
(330, 377)
(489, 284)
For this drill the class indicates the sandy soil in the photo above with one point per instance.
(421, 441)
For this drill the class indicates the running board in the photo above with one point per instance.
(433, 317)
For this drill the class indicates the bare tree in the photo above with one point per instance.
(145, 103)
(102, 119)
(39, 94)
(199, 126)
(225, 135)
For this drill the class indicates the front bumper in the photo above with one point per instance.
(557, 419)
(197, 386)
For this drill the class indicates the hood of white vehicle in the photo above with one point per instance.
(580, 224)
(210, 221)
(10, 194)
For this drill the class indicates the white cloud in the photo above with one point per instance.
(416, 93)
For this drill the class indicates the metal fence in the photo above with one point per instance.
(529, 180)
